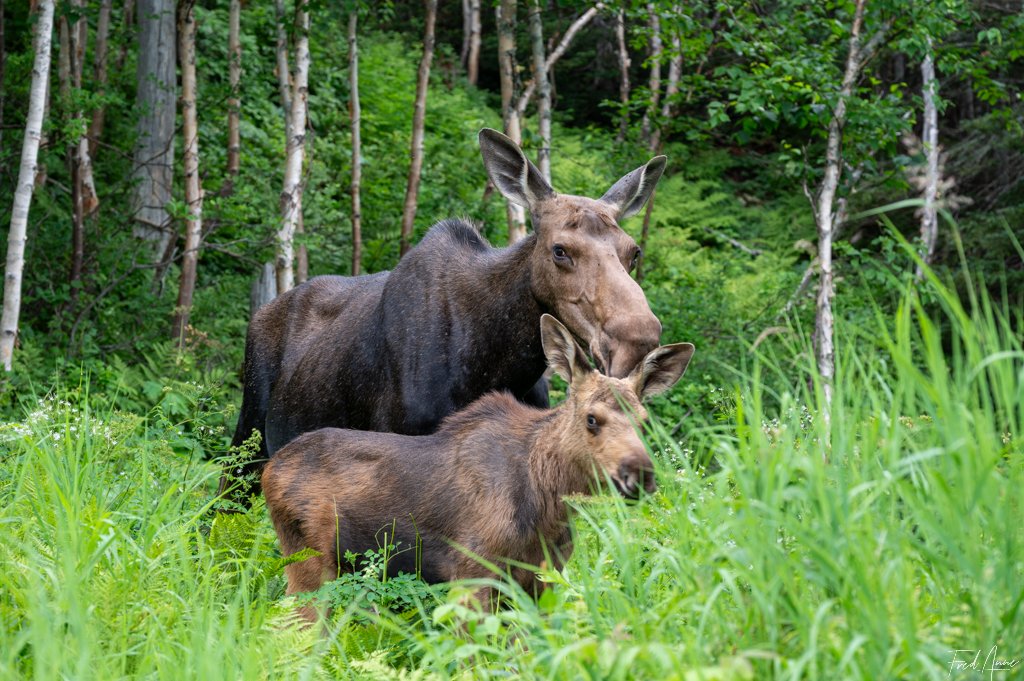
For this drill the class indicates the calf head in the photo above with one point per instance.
(606, 411)
(582, 259)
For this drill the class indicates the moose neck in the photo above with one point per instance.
(556, 467)
(506, 318)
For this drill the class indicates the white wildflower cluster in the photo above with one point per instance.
(54, 419)
(801, 415)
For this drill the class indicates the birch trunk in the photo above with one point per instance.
(473, 59)
(291, 195)
(506, 23)
(556, 54)
(190, 160)
(540, 76)
(654, 82)
(624, 64)
(675, 69)
(3, 68)
(930, 137)
(419, 113)
(823, 319)
(154, 152)
(355, 114)
(234, 104)
(99, 65)
(284, 74)
(16, 236)
(83, 191)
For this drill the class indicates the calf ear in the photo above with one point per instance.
(629, 194)
(516, 178)
(661, 368)
(563, 353)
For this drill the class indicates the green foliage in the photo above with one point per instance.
(364, 584)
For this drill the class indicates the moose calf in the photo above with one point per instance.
(488, 484)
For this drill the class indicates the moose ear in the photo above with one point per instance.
(516, 178)
(563, 353)
(629, 194)
(661, 368)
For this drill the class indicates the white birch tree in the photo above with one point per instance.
(16, 236)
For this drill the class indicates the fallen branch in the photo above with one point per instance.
(733, 242)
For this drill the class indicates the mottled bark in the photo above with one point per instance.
(153, 173)
(556, 54)
(823, 320)
(190, 161)
(291, 195)
(624, 64)
(675, 69)
(930, 137)
(419, 114)
(654, 62)
(540, 76)
(234, 103)
(506, 22)
(355, 115)
(16, 235)
(473, 58)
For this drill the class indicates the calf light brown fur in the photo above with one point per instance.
(490, 482)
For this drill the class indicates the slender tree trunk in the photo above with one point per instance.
(355, 114)
(284, 74)
(624, 64)
(42, 172)
(127, 22)
(823, 321)
(234, 104)
(473, 58)
(466, 28)
(506, 21)
(17, 234)
(190, 160)
(556, 54)
(3, 68)
(419, 113)
(930, 137)
(99, 65)
(291, 195)
(83, 191)
(540, 76)
(675, 69)
(654, 59)
(154, 152)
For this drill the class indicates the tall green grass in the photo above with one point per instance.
(867, 547)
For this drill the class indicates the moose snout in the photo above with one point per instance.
(634, 474)
(626, 341)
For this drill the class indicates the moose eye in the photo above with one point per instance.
(635, 260)
(591, 423)
(561, 255)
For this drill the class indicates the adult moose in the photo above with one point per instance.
(398, 351)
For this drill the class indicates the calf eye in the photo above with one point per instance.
(636, 258)
(591, 423)
(561, 255)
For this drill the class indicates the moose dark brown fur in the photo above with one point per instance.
(491, 480)
(456, 318)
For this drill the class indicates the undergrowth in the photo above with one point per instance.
(871, 546)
